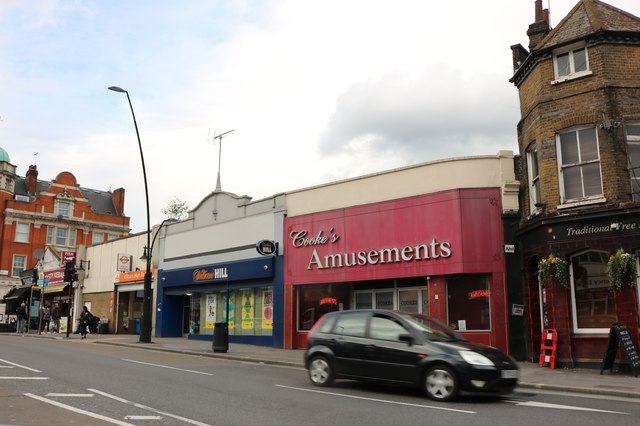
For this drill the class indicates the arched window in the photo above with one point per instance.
(593, 307)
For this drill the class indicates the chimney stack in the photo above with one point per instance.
(540, 28)
(118, 201)
(32, 179)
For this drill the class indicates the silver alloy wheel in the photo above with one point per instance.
(441, 384)
(320, 371)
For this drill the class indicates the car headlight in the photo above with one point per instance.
(475, 358)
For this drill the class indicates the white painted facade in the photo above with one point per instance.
(490, 171)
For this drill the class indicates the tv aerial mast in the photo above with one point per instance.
(218, 186)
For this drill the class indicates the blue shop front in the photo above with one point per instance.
(190, 301)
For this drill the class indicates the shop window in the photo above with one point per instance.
(364, 300)
(404, 299)
(316, 300)
(593, 308)
(409, 300)
(579, 165)
(19, 264)
(633, 156)
(468, 304)
(22, 232)
(384, 300)
(249, 312)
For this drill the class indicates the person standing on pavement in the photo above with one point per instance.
(46, 318)
(85, 319)
(21, 314)
(55, 319)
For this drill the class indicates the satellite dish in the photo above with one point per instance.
(38, 254)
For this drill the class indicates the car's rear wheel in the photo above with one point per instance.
(441, 383)
(321, 371)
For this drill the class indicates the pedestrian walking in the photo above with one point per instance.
(46, 318)
(85, 319)
(55, 319)
(21, 314)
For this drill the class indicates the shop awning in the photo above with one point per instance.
(19, 292)
(55, 288)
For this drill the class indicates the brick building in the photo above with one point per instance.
(579, 140)
(55, 217)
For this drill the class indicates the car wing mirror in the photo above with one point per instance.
(406, 337)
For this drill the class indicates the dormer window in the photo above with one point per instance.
(570, 63)
(64, 208)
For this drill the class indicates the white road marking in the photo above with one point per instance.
(166, 366)
(377, 400)
(20, 366)
(560, 407)
(71, 395)
(144, 407)
(78, 410)
(6, 366)
(23, 378)
(143, 417)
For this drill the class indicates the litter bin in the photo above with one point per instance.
(221, 337)
(132, 326)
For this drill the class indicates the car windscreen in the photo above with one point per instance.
(432, 329)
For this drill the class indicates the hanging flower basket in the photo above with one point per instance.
(553, 267)
(622, 269)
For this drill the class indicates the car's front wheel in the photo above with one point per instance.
(321, 371)
(441, 383)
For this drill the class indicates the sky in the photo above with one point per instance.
(311, 91)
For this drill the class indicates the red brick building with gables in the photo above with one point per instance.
(58, 215)
(579, 139)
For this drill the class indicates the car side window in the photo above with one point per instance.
(352, 324)
(386, 328)
(326, 325)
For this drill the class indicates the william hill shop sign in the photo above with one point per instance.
(200, 275)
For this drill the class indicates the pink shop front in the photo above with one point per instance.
(440, 254)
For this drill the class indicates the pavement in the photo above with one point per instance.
(532, 376)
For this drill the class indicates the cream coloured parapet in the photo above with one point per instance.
(491, 171)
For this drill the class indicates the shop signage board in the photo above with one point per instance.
(451, 232)
(267, 248)
(619, 336)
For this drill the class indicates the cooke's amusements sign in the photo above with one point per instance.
(445, 233)
(407, 253)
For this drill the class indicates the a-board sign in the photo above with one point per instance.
(619, 336)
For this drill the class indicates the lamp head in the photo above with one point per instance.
(117, 89)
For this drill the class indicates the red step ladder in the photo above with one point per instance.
(548, 347)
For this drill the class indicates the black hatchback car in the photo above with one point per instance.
(404, 348)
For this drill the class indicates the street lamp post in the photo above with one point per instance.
(145, 329)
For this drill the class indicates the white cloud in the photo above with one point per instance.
(315, 90)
